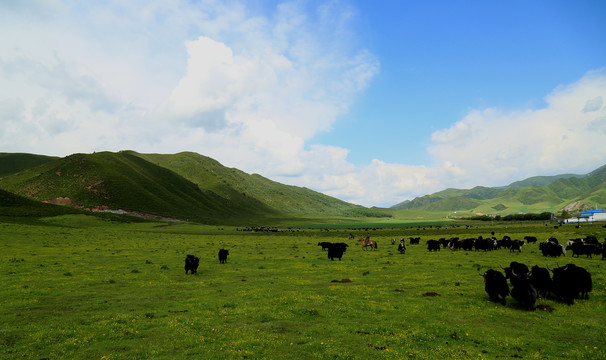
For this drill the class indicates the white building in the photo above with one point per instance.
(588, 217)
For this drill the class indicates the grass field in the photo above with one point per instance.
(78, 287)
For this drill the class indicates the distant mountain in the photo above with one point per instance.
(535, 194)
(186, 186)
(11, 163)
(539, 181)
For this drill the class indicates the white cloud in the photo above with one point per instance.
(594, 104)
(495, 147)
(250, 88)
(490, 147)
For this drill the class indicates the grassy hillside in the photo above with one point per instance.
(186, 186)
(12, 205)
(122, 181)
(540, 181)
(11, 163)
(254, 191)
(536, 194)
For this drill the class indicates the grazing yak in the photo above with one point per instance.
(336, 250)
(570, 282)
(516, 272)
(552, 248)
(541, 280)
(191, 264)
(223, 256)
(531, 239)
(433, 245)
(516, 245)
(495, 285)
(523, 291)
(580, 248)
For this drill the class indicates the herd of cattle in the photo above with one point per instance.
(588, 246)
(568, 283)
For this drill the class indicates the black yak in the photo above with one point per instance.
(336, 250)
(433, 245)
(515, 272)
(541, 280)
(570, 282)
(523, 291)
(191, 264)
(223, 256)
(495, 285)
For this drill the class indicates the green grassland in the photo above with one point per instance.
(82, 287)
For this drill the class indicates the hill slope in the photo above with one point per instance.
(11, 163)
(187, 186)
(253, 191)
(120, 181)
(15, 205)
(536, 194)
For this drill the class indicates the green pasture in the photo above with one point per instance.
(79, 287)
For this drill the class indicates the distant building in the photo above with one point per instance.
(588, 217)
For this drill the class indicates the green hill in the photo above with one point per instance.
(539, 181)
(120, 181)
(253, 191)
(11, 163)
(536, 194)
(15, 205)
(186, 186)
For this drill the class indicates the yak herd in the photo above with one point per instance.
(568, 282)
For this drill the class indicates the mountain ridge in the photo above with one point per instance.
(534, 194)
(186, 186)
(190, 186)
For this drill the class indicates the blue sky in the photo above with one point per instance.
(441, 58)
(370, 102)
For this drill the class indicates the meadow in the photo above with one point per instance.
(80, 287)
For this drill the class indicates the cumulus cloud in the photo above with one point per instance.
(495, 147)
(488, 147)
(250, 87)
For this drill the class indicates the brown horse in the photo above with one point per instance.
(367, 242)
